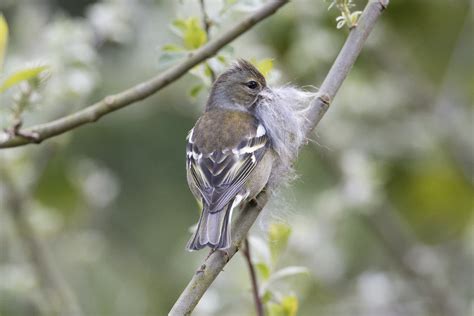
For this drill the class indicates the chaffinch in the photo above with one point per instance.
(229, 155)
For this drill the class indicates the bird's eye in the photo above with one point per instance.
(252, 84)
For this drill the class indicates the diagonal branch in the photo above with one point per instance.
(142, 90)
(214, 264)
(216, 261)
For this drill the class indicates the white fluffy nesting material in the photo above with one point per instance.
(283, 111)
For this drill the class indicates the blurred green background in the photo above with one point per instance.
(382, 211)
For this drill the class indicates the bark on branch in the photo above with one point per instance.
(214, 264)
(139, 92)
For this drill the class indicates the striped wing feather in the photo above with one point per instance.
(221, 175)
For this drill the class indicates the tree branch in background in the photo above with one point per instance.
(253, 278)
(142, 90)
(54, 288)
(214, 264)
(396, 242)
(207, 23)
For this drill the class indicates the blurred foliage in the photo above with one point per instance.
(426, 191)
(288, 307)
(22, 75)
(3, 39)
(384, 201)
(347, 17)
(193, 34)
(278, 235)
(273, 281)
(264, 66)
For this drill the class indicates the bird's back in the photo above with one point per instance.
(231, 128)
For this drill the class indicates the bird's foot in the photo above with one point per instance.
(210, 253)
(225, 255)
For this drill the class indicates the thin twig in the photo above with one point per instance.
(253, 278)
(54, 288)
(213, 265)
(207, 23)
(142, 90)
(205, 17)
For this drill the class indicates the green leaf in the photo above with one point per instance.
(275, 310)
(283, 273)
(287, 307)
(266, 297)
(278, 235)
(194, 35)
(3, 39)
(208, 70)
(265, 66)
(221, 58)
(264, 270)
(22, 75)
(290, 305)
(171, 48)
(180, 24)
(288, 271)
(195, 90)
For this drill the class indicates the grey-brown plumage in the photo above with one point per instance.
(229, 154)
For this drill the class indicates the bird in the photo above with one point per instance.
(229, 155)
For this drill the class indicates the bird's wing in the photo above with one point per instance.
(220, 175)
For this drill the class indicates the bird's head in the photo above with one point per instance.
(237, 88)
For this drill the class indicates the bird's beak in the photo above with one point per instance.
(266, 92)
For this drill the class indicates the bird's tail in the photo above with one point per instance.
(213, 229)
